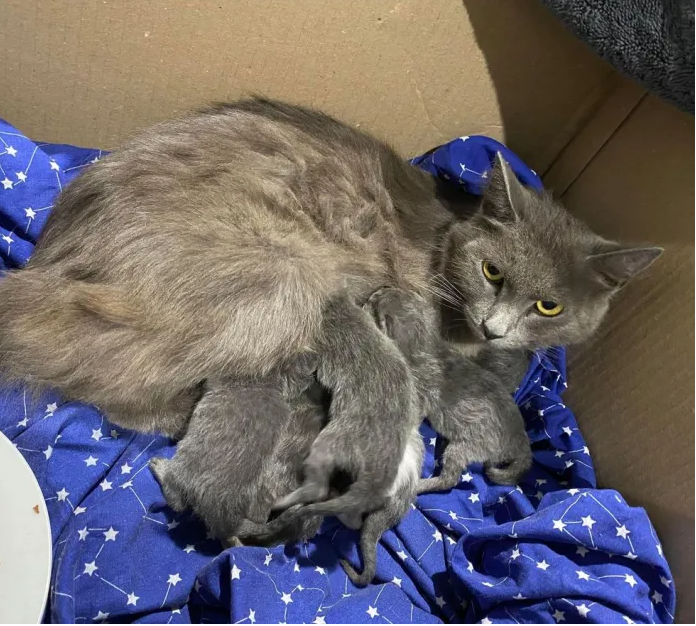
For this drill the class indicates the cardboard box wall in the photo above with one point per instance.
(417, 74)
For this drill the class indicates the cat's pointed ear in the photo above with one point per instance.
(616, 266)
(505, 196)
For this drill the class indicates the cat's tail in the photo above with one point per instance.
(509, 472)
(375, 524)
(46, 319)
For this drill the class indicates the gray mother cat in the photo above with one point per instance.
(212, 244)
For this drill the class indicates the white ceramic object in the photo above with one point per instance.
(25, 541)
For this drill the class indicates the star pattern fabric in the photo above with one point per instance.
(552, 549)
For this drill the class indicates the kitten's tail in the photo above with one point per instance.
(271, 534)
(511, 471)
(351, 502)
(372, 530)
(347, 503)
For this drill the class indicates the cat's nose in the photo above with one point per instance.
(489, 333)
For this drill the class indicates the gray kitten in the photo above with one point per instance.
(244, 449)
(213, 245)
(363, 422)
(471, 407)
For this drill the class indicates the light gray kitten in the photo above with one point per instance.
(471, 407)
(244, 449)
(213, 245)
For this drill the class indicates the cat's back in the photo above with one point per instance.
(250, 178)
(231, 155)
(239, 163)
(213, 242)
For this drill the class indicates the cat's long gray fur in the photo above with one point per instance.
(213, 245)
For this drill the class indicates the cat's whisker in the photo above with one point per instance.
(451, 307)
(447, 284)
(438, 276)
(551, 352)
(441, 293)
(443, 297)
(458, 325)
(453, 300)
(448, 295)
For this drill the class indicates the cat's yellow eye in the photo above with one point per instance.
(548, 309)
(492, 273)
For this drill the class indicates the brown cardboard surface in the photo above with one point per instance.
(417, 73)
(598, 130)
(633, 387)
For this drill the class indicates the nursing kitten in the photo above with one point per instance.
(244, 449)
(509, 366)
(363, 422)
(212, 246)
(470, 407)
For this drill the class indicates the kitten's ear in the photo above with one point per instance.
(615, 267)
(505, 196)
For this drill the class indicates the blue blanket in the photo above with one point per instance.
(553, 549)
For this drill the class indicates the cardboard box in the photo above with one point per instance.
(419, 73)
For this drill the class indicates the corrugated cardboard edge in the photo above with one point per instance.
(573, 158)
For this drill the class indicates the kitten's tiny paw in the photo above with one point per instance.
(158, 466)
(385, 296)
(306, 494)
(233, 542)
(385, 304)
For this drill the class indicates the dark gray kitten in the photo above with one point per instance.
(244, 449)
(363, 421)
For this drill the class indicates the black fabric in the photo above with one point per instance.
(651, 41)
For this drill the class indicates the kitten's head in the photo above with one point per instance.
(524, 273)
(406, 318)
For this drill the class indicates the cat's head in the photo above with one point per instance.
(524, 273)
